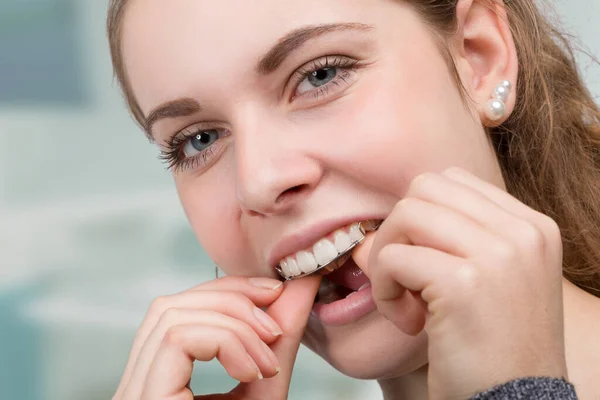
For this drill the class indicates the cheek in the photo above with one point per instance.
(212, 212)
(398, 124)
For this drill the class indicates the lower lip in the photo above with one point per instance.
(346, 311)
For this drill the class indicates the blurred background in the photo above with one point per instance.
(90, 225)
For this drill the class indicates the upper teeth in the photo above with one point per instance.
(323, 252)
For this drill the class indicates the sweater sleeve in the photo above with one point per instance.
(530, 389)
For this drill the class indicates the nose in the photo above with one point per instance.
(275, 171)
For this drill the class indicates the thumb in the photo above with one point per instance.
(360, 255)
(404, 308)
(291, 311)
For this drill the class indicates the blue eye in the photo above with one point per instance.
(200, 142)
(324, 76)
(193, 148)
(317, 79)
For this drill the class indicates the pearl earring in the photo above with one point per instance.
(495, 108)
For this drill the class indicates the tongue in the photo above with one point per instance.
(349, 275)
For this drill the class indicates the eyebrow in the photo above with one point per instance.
(269, 63)
(172, 109)
(293, 40)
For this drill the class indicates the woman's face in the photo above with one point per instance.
(276, 153)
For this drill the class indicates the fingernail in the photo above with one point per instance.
(266, 283)
(272, 357)
(253, 364)
(267, 322)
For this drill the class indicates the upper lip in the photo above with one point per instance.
(304, 238)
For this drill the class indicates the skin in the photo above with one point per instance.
(395, 139)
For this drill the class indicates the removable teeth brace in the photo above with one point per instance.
(342, 257)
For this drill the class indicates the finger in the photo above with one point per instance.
(257, 287)
(431, 273)
(494, 194)
(535, 233)
(259, 291)
(291, 311)
(360, 255)
(262, 355)
(233, 304)
(172, 367)
(451, 194)
(414, 221)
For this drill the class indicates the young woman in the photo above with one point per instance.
(461, 124)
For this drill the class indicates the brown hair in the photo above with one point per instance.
(548, 149)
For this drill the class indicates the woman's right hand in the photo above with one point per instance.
(220, 319)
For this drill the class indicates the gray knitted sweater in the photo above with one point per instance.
(530, 389)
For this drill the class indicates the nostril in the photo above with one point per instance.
(291, 192)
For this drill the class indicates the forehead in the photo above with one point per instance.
(170, 46)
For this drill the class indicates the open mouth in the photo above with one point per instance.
(343, 283)
(328, 254)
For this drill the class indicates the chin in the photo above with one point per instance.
(369, 349)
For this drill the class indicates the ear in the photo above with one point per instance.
(485, 53)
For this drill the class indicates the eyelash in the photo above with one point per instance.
(346, 65)
(172, 153)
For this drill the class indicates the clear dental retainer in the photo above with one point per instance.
(342, 257)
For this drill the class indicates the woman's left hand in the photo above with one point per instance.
(481, 273)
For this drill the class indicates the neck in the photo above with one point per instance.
(582, 319)
(582, 324)
(408, 387)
